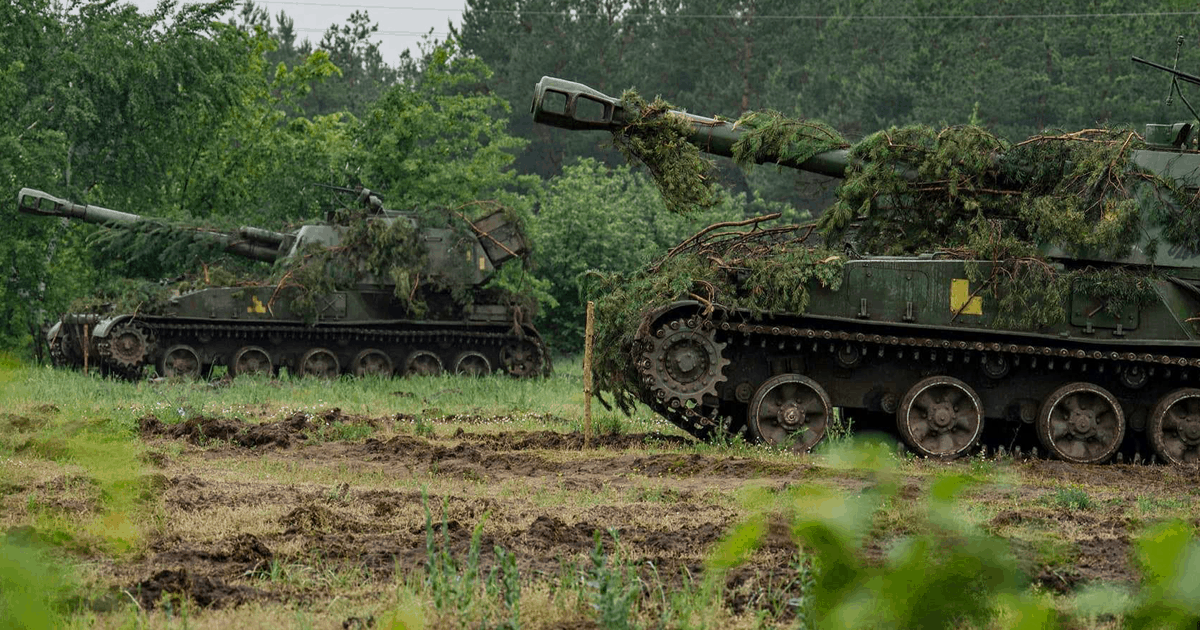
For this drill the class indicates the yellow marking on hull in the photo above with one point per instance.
(961, 300)
(256, 305)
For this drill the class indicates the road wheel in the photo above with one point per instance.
(180, 361)
(422, 363)
(789, 411)
(320, 363)
(372, 362)
(1174, 427)
(472, 363)
(251, 360)
(1081, 423)
(940, 416)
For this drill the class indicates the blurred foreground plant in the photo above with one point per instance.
(950, 576)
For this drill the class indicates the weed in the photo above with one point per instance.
(1157, 505)
(275, 571)
(613, 586)
(982, 467)
(460, 590)
(504, 584)
(423, 426)
(840, 428)
(337, 495)
(1072, 499)
(656, 494)
(725, 439)
(803, 605)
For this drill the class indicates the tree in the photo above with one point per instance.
(262, 162)
(362, 74)
(861, 66)
(99, 105)
(614, 221)
(440, 137)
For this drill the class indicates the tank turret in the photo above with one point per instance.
(1048, 300)
(380, 295)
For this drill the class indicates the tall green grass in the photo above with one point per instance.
(117, 405)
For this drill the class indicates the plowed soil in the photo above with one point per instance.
(274, 512)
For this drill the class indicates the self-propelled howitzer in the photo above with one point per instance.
(366, 324)
(934, 345)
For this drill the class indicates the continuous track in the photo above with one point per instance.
(754, 369)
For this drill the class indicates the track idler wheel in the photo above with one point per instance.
(940, 416)
(1081, 423)
(789, 411)
(683, 363)
(1174, 427)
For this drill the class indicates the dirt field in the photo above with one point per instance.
(326, 517)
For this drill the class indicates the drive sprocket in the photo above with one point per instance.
(682, 363)
(127, 346)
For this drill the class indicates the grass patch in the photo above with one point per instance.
(1071, 499)
(1162, 506)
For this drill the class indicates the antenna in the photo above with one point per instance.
(1176, 75)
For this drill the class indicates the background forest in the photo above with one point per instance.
(215, 113)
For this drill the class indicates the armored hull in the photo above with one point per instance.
(902, 346)
(240, 332)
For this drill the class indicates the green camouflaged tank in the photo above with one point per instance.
(363, 326)
(925, 345)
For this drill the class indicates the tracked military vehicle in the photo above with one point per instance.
(921, 343)
(364, 325)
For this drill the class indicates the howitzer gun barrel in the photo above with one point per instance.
(264, 237)
(250, 242)
(32, 201)
(570, 105)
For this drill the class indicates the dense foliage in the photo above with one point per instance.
(861, 66)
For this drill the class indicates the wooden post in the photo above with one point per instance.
(86, 342)
(588, 338)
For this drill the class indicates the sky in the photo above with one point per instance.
(402, 23)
